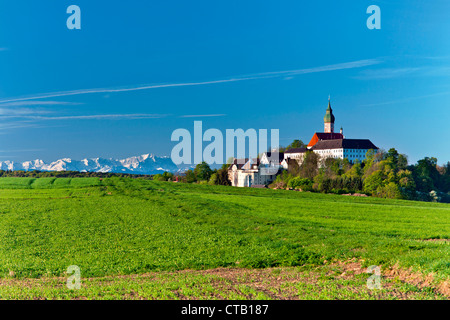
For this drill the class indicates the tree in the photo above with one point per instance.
(426, 175)
(202, 172)
(355, 171)
(407, 183)
(222, 176)
(293, 167)
(309, 167)
(296, 144)
(213, 179)
(190, 176)
(391, 191)
(398, 161)
(302, 183)
(402, 162)
(446, 177)
(158, 177)
(392, 155)
(166, 176)
(373, 182)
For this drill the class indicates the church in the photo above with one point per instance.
(327, 144)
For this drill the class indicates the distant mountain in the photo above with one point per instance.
(144, 164)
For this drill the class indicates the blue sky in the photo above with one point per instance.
(138, 70)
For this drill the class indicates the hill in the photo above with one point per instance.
(139, 229)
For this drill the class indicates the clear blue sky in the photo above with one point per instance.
(62, 92)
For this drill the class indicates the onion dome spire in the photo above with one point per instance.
(329, 117)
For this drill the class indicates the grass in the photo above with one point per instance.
(306, 283)
(121, 227)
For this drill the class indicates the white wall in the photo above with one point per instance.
(330, 153)
(350, 154)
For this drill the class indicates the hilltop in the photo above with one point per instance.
(137, 238)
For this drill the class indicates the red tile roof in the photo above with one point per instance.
(324, 136)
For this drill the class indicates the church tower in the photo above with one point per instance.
(329, 119)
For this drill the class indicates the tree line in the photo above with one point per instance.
(382, 174)
(202, 174)
(68, 174)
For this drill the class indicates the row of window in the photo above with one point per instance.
(356, 150)
(340, 151)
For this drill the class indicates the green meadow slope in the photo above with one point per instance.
(122, 226)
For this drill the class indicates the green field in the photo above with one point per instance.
(133, 238)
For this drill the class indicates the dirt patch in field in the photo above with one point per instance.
(284, 283)
(350, 269)
(396, 273)
(273, 282)
(279, 283)
(418, 279)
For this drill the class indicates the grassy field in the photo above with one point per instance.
(136, 238)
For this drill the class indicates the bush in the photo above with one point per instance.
(340, 191)
(300, 183)
(391, 191)
(213, 180)
(166, 176)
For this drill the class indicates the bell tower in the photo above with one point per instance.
(329, 119)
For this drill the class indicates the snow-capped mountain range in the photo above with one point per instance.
(144, 164)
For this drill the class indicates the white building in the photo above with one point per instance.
(255, 172)
(351, 149)
(328, 144)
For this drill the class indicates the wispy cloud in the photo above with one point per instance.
(21, 112)
(386, 73)
(91, 117)
(390, 73)
(332, 67)
(17, 110)
(30, 116)
(265, 75)
(38, 103)
(36, 121)
(202, 115)
(406, 99)
(437, 57)
(17, 125)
